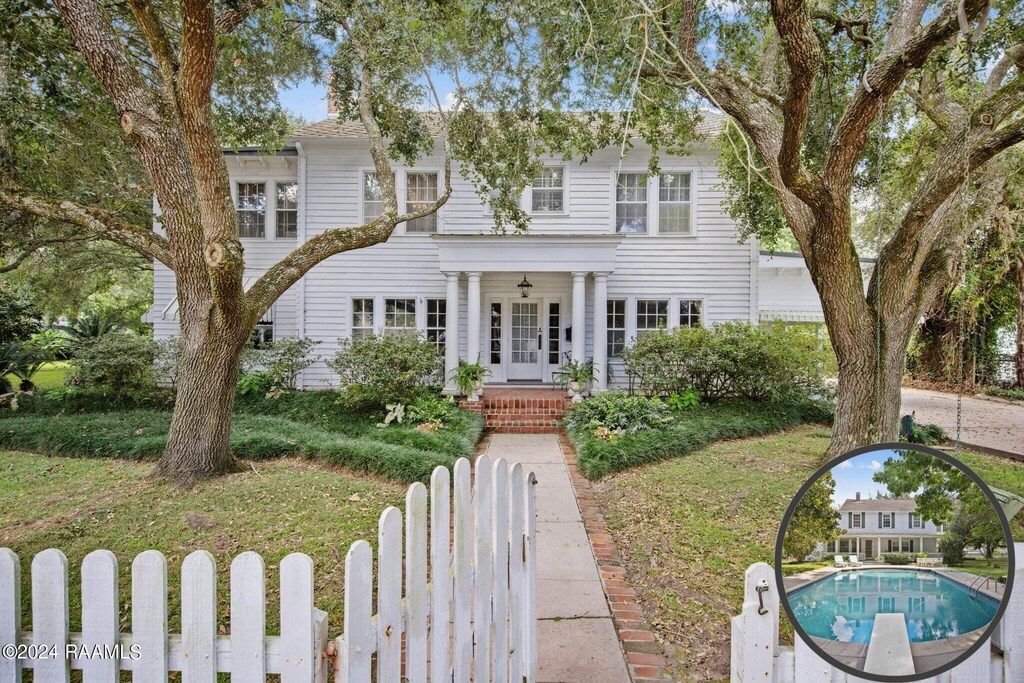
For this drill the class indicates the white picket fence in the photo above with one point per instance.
(757, 656)
(457, 606)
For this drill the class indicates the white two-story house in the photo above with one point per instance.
(873, 527)
(611, 254)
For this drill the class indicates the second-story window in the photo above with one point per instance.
(857, 520)
(420, 193)
(549, 190)
(674, 204)
(631, 202)
(251, 206)
(373, 203)
(885, 520)
(287, 209)
(915, 521)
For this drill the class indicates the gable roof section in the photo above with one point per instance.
(338, 128)
(879, 505)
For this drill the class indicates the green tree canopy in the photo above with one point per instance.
(814, 520)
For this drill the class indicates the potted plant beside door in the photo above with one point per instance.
(577, 377)
(469, 379)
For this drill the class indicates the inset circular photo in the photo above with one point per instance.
(896, 562)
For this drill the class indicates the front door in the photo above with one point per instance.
(868, 549)
(525, 340)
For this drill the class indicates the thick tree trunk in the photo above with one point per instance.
(198, 441)
(1018, 356)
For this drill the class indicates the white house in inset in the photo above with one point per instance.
(873, 527)
(611, 254)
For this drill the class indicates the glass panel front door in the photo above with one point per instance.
(525, 339)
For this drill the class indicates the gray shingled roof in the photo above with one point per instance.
(879, 505)
(712, 124)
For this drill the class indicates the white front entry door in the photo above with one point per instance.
(525, 340)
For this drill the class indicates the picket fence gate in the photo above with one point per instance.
(477, 623)
(757, 656)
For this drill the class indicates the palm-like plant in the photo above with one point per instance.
(91, 325)
(20, 361)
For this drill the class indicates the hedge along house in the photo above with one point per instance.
(612, 253)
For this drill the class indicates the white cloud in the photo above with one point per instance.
(875, 465)
(844, 465)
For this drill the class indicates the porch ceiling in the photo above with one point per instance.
(534, 253)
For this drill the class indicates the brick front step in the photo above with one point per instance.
(525, 414)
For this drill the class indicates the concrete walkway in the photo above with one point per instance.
(989, 424)
(576, 637)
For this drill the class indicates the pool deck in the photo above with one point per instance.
(927, 655)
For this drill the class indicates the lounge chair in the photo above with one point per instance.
(840, 562)
(854, 562)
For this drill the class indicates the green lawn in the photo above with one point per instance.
(688, 528)
(310, 424)
(978, 566)
(48, 376)
(286, 505)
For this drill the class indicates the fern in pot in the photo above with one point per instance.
(469, 379)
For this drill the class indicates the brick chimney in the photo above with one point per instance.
(858, 495)
(332, 108)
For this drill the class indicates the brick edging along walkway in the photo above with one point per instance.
(644, 654)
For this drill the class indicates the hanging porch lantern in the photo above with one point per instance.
(525, 287)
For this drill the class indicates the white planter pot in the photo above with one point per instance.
(574, 387)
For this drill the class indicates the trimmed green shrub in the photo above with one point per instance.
(688, 432)
(952, 548)
(115, 362)
(280, 361)
(618, 412)
(387, 368)
(898, 558)
(729, 360)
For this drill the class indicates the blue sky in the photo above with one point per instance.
(855, 474)
(309, 99)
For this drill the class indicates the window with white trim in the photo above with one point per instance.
(915, 521)
(286, 198)
(554, 333)
(495, 350)
(631, 202)
(651, 314)
(373, 202)
(263, 331)
(400, 315)
(857, 520)
(420, 194)
(674, 204)
(251, 209)
(885, 520)
(362, 318)
(549, 190)
(616, 327)
(690, 312)
(437, 320)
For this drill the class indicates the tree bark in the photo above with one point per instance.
(1018, 356)
(198, 441)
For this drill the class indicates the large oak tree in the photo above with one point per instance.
(813, 92)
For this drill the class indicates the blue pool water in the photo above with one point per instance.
(843, 606)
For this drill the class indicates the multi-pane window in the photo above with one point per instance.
(373, 203)
(631, 202)
(263, 332)
(857, 520)
(674, 204)
(651, 314)
(884, 520)
(495, 334)
(886, 604)
(616, 327)
(362, 318)
(400, 315)
(549, 190)
(420, 194)
(690, 312)
(287, 209)
(554, 326)
(251, 208)
(437, 319)
(915, 521)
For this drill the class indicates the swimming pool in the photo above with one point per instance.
(843, 606)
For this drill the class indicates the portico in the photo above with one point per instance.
(527, 309)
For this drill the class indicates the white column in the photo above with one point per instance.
(473, 319)
(451, 332)
(600, 331)
(579, 311)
